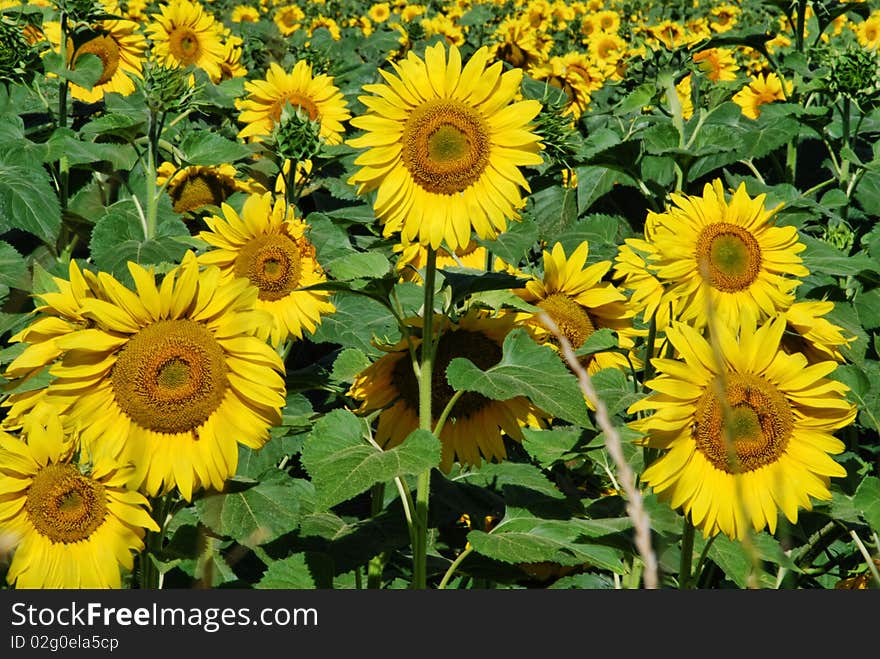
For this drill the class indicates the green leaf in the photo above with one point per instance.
(358, 265)
(822, 257)
(293, 572)
(118, 237)
(735, 559)
(343, 464)
(27, 200)
(258, 514)
(519, 475)
(355, 322)
(64, 142)
(603, 234)
(511, 246)
(553, 209)
(526, 369)
(348, 364)
(13, 268)
(593, 181)
(89, 68)
(465, 283)
(533, 540)
(867, 500)
(602, 340)
(551, 446)
(615, 390)
(208, 148)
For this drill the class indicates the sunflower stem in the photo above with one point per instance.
(420, 535)
(150, 178)
(377, 563)
(687, 555)
(455, 564)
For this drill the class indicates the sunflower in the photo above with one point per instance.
(267, 245)
(476, 425)
(172, 378)
(184, 34)
(445, 144)
(725, 258)
(288, 19)
(745, 435)
(762, 89)
(811, 334)
(58, 314)
(519, 44)
(379, 12)
(576, 75)
(717, 64)
(197, 186)
(73, 525)
(646, 291)
(118, 44)
(317, 95)
(579, 302)
(245, 14)
(868, 31)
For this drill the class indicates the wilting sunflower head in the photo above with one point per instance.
(724, 257)
(444, 144)
(172, 377)
(72, 517)
(747, 429)
(268, 246)
(315, 95)
(476, 425)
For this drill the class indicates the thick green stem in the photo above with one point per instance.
(687, 555)
(377, 563)
(426, 419)
(150, 178)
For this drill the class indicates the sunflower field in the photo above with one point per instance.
(470, 294)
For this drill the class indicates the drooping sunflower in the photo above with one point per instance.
(196, 186)
(717, 64)
(58, 313)
(73, 525)
(724, 257)
(184, 34)
(444, 147)
(579, 302)
(268, 246)
(172, 377)
(476, 425)
(746, 437)
(261, 109)
(119, 45)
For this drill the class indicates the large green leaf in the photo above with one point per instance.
(208, 148)
(566, 542)
(526, 369)
(27, 200)
(65, 142)
(356, 322)
(551, 446)
(255, 515)
(737, 559)
(343, 464)
(13, 268)
(118, 237)
(867, 501)
(298, 572)
(822, 257)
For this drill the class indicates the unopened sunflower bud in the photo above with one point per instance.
(295, 136)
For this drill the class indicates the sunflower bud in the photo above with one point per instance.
(168, 89)
(555, 126)
(854, 74)
(18, 59)
(295, 136)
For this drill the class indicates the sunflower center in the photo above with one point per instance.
(170, 376)
(758, 426)
(729, 256)
(200, 190)
(571, 318)
(107, 51)
(184, 45)
(273, 264)
(296, 101)
(65, 506)
(476, 346)
(445, 146)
